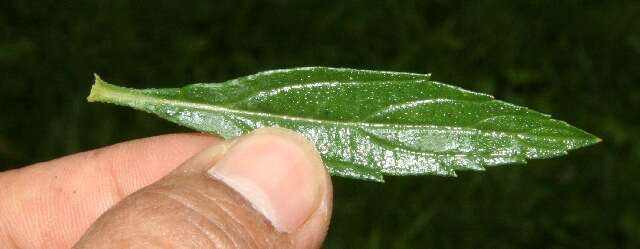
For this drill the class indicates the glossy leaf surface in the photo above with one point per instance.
(364, 123)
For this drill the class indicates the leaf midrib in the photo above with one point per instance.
(125, 96)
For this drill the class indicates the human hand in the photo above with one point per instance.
(267, 189)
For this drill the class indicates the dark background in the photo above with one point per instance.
(577, 60)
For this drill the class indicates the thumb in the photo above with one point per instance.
(267, 189)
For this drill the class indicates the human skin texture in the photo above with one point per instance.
(172, 191)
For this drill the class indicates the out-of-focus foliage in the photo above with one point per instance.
(578, 60)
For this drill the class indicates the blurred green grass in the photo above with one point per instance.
(577, 60)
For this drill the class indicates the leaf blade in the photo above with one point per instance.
(364, 123)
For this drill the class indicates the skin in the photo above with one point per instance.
(160, 192)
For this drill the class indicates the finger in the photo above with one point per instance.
(268, 189)
(51, 204)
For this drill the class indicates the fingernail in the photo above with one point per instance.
(278, 172)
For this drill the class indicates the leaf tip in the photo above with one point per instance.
(596, 140)
(589, 139)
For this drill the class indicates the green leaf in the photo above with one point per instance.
(364, 123)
